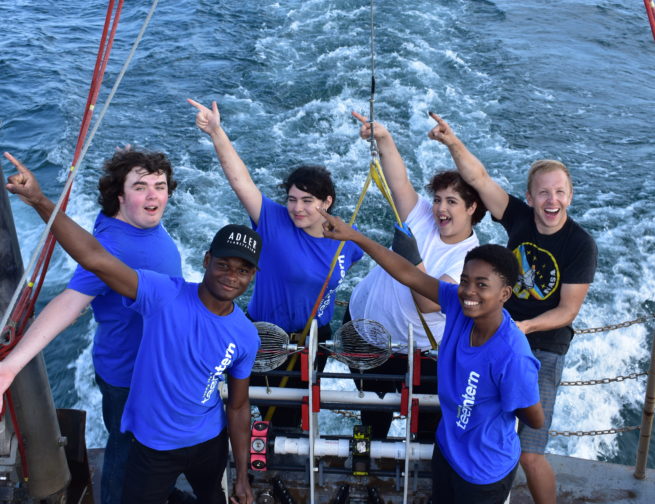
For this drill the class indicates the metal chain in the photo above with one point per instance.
(594, 432)
(612, 327)
(620, 378)
(593, 330)
(631, 376)
(355, 415)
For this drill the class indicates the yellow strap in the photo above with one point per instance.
(381, 182)
(378, 177)
(426, 328)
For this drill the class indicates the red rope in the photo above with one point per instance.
(24, 307)
(104, 50)
(19, 437)
(650, 10)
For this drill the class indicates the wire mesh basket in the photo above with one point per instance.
(361, 344)
(274, 348)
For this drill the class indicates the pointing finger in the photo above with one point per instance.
(195, 104)
(214, 108)
(19, 166)
(435, 117)
(329, 219)
(359, 117)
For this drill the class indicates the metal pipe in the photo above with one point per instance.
(35, 409)
(646, 419)
(348, 376)
(410, 388)
(335, 396)
(313, 417)
(341, 448)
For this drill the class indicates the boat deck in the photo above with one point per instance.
(579, 481)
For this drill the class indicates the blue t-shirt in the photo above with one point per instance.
(119, 329)
(292, 269)
(174, 400)
(479, 390)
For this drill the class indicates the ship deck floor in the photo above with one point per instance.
(578, 481)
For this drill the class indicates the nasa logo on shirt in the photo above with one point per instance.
(538, 272)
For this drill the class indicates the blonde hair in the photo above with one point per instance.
(547, 166)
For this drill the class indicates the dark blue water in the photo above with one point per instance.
(518, 80)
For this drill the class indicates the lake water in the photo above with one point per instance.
(518, 80)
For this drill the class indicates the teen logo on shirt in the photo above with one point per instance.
(215, 376)
(465, 409)
(326, 300)
(538, 272)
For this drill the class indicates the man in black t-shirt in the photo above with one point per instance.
(557, 261)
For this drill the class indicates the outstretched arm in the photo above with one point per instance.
(235, 170)
(81, 245)
(57, 315)
(571, 298)
(470, 168)
(238, 421)
(398, 267)
(403, 192)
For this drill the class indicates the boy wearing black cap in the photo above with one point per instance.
(192, 334)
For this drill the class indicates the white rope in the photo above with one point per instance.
(76, 169)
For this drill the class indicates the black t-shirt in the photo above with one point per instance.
(545, 263)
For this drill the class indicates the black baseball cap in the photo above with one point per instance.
(239, 241)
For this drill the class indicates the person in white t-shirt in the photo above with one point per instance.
(444, 231)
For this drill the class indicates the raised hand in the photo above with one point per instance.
(207, 120)
(442, 132)
(335, 228)
(404, 244)
(24, 183)
(365, 129)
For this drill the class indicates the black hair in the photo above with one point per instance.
(111, 184)
(446, 179)
(314, 179)
(501, 260)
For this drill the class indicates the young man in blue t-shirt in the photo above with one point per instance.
(133, 194)
(192, 335)
(487, 375)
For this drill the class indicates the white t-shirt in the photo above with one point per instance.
(381, 298)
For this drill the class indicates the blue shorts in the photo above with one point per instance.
(550, 375)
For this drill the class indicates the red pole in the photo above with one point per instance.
(650, 10)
